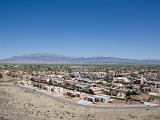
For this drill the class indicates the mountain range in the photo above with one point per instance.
(46, 58)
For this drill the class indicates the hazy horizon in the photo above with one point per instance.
(29, 54)
(83, 28)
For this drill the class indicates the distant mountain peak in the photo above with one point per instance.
(60, 59)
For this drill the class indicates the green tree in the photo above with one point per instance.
(1, 76)
(142, 87)
(141, 72)
(69, 70)
(129, 93)
(50, 82)
(106, 70)
(133, 75)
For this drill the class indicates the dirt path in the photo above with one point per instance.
(19, 104)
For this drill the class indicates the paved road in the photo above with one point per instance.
(60, 99)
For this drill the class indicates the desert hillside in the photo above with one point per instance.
(19, 104)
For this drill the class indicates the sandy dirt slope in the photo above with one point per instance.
(17, 103)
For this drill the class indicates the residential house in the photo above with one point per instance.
(111, 75)
(96, 90)
(57, 89)
(24, 82)
(82, 87)
(152, 76)
(121, 80)
(97, 98)
(140, 80)
(142, 98)
(154, 95)
(72, 94)
(69, 84)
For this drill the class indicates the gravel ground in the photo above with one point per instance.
(17, 103)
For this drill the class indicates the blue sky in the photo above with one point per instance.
(118, 28)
